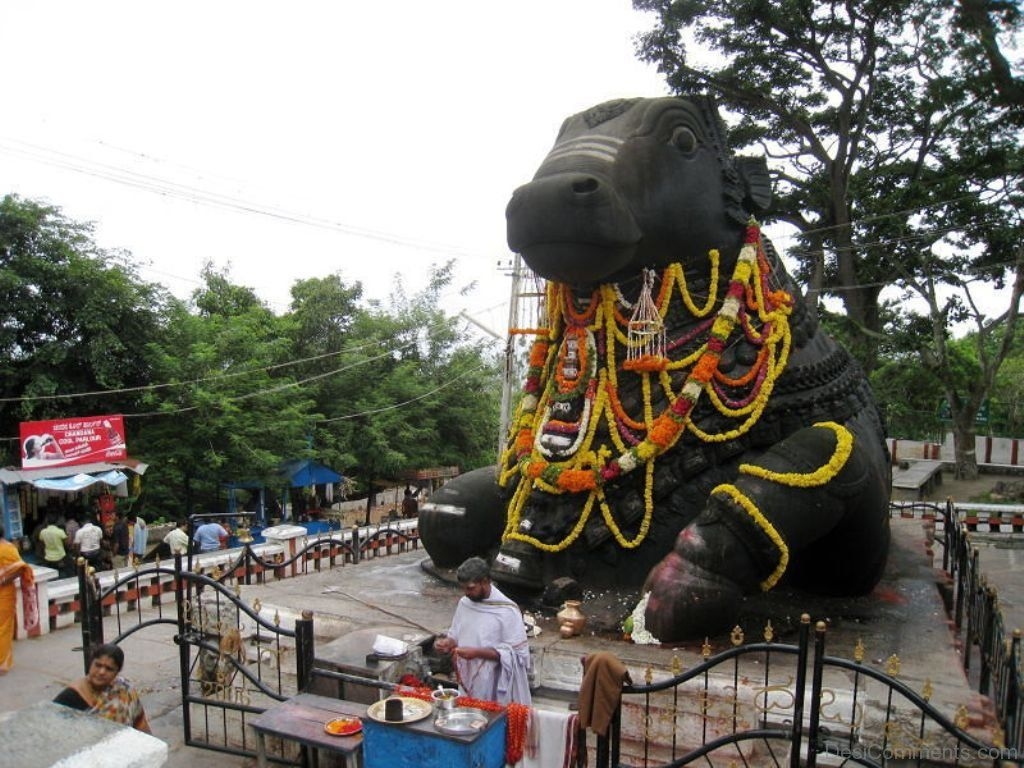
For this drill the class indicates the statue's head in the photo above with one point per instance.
(635, 183)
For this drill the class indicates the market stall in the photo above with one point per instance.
(316, 479)
(27, 494)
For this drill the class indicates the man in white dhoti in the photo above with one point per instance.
(487, 639)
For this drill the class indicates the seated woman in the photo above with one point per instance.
(102, 692)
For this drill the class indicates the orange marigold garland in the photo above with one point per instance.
(585, 466)
(517, 717)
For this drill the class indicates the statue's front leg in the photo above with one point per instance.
(823, 488)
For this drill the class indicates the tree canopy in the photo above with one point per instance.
(896, 161)
(219, 388)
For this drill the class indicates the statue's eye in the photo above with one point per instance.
(684, 139)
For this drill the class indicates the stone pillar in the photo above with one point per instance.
(286, 536)
(43, 575)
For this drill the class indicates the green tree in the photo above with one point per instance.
(417, 391)
(75, 320)
(221, 389)
(986, 20)
(320, 324)
(228, 407)
(891, 160)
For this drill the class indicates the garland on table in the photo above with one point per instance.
(556, 454)
(517, 717)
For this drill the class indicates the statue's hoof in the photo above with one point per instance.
(687, 601)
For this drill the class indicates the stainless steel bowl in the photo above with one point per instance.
(444, 699)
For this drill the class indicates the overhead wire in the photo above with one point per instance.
(218, 377)
(410, 401)
(193, 194)
(198, 195)
(271, 390)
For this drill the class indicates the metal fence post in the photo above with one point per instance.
(1012, 702)
(816, 681)
(962, 576)
(947, 531)
(988, 641)
(182, 600)
(304, 650)
(798, 698)
(85, 609)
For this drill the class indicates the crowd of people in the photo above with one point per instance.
(62, 537)
(58, 542)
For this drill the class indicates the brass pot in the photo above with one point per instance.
(571, 619)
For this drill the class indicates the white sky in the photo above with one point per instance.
(411, 122)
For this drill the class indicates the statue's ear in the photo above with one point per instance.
(757, 184)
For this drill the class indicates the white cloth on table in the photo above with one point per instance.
(495, 623)
(389, 646)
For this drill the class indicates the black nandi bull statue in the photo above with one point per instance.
(685, 428)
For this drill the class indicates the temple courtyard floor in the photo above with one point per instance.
(904, 616)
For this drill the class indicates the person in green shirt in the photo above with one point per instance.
(54, 553)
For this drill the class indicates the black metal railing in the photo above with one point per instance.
(235, 659)
(743, 706)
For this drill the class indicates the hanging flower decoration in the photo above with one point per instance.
(554, 454)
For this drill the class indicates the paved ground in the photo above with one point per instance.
(904, 616)
(44, 665)
(1001, 555)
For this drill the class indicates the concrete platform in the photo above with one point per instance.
(903, 616)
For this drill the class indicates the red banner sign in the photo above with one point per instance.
(67, 442)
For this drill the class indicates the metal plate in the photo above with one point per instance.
(412, 710)
(343, 726)
(462, 721)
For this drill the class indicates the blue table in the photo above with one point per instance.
(421, 745)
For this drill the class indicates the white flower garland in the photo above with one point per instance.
(640, 635)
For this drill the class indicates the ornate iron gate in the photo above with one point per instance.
(755, 704)
(235, 661)
(772, 704)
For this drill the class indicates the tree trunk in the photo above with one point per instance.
(964, 449)
(369, 497)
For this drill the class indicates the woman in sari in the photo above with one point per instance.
(12, 568)
(103, 692)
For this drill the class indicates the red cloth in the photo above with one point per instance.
(30, 607)
(601, 690)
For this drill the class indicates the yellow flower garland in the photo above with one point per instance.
(820, 476)
(761, 521)
(583, 470)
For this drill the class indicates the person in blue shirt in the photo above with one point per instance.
(208, 536)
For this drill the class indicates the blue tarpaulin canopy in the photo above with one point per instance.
(307, 472)
(295, 474)
(300, 473)
(80, 481)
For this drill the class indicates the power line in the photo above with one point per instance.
(219, 377)
(404, 403)
(271, 390)
(198, 195)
